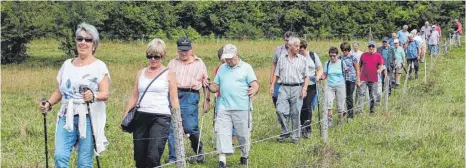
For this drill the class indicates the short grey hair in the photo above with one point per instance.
(414, 31)
(456, 20)
(405, 26)
(91, 30)
(288, 34)
(355, 43)
(293, 40)
(157, 47)
(427, 22)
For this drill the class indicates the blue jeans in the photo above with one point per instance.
(64, 142)
(189, 114)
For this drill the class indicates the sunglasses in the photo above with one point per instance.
(371, 46)
(155, 57)
(333, 55)
(80, 39)
(346, 50)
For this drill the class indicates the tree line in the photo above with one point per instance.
(24, 21)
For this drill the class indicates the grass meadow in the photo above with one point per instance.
(425, 129)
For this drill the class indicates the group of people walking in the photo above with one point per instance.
(84, 82)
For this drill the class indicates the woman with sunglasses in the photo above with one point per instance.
(352, 79)
(335, 70)
(83, 88)
(154, 114)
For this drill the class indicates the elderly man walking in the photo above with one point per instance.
(413, 52)
(403, 35)
(281, 50)
(191, 76)
(371, 65)
(388, 55)
(434, 41)
(292, 74)
(237, 82)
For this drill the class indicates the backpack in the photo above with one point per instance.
(342, 69)
(313, 57)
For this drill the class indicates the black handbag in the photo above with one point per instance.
(127, 124)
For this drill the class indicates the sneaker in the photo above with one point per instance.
(339, 123)
(294, 141)
(350, 119)
(243, 161)
(330, 122)
(417, 76)
(222, 164)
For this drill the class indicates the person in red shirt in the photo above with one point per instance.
(371, 65)
(459, 31)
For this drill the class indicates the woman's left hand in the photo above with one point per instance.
(88, 96)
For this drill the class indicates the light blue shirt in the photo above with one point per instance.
(234, 83)
(335, 76)
(403, 36)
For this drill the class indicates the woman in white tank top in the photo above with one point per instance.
(153, 116)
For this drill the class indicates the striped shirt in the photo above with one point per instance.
(190, 76)
(291, 71)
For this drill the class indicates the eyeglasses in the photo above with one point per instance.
(371, 46)
(155, 57)
(80, 39)
(333, 55)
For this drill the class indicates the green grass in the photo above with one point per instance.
(424, 130)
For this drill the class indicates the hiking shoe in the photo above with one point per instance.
(282, 138)
(339, 123)
(294, 141)
(330, 122)
(305, 133)
(417, 76)
(222, 164)
(201, 157)
(243, 161)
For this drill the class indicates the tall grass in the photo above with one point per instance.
(426, 129)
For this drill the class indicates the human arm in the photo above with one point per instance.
(134, 95)
(102, 95)
(356, 66)
(173, 90)
(206, 105)
(53, 99)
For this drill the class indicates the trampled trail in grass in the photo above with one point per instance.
(425, 129)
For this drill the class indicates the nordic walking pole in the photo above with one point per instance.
(45, 134)
(85, 88)
(202, 121)
(318, 105)
(214, 117)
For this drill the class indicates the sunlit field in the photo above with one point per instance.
(425, 129)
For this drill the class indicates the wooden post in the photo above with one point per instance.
(178, 135)
(387, 90)
(406, 81)
(324, 121)
(142, 39)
